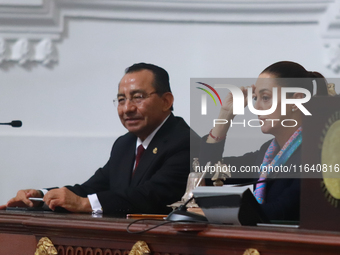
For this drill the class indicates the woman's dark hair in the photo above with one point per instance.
(287, 69)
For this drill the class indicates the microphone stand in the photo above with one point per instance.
(181, 214)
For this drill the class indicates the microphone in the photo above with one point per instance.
(14, 123)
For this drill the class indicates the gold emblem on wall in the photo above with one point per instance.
(330, 159)
(45, 247)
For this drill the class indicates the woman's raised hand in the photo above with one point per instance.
(227, 105)
(246, 95)
(219, 131)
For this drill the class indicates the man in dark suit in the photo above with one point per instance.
(148, 166)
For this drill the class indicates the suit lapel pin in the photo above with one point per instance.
(155, 150)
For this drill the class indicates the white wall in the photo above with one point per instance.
(69, 121)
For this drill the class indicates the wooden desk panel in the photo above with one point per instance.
(14, 244)
(77, 234)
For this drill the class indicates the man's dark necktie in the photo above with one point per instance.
(140, 151)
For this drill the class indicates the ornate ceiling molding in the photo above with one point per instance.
(330, 32)
(330, 21)
(29, 31)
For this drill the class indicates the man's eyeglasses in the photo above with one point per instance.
(136, 99)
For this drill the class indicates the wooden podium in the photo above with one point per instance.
(82, 234)
(320, 204)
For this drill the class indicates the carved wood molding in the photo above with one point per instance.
(77, 250)
(71, 250)
(29, 33)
